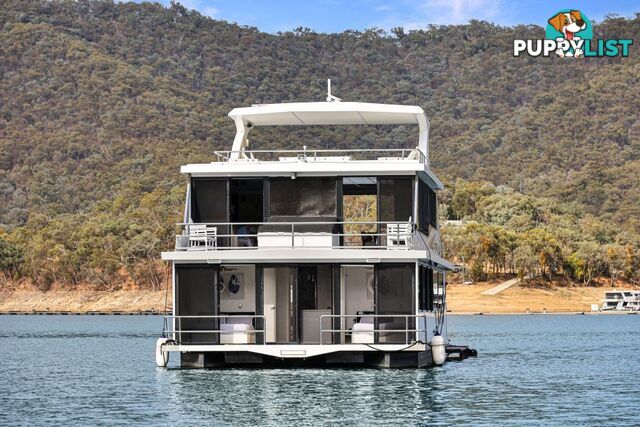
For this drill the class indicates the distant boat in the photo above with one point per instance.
(621, 301)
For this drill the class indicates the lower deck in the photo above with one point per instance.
(320, 313)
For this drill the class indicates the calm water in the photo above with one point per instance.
(546, 369)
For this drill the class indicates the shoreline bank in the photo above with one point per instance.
(84, 301)
(521, 299)
(461, 300)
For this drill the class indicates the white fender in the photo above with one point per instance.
(438, 350)
(162, 357)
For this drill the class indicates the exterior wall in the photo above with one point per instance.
(355, 296)
(246, 302)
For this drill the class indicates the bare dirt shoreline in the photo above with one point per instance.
(523, 299)
(83, 301)
(461, 299)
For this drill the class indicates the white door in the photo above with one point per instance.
(270, 303)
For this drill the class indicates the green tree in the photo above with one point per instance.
(10, 257)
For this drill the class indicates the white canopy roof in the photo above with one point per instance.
(326, 113)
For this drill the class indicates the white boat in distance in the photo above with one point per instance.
(621, 301)
(270, 270)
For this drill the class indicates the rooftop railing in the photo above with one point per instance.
(312, 155)
(281, 235)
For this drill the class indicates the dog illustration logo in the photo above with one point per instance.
(570, 29)
(569, 34)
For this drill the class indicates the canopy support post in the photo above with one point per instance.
(241, 140)
(423, 137)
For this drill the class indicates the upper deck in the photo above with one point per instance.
(274, 201)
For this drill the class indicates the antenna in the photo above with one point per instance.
(331, 98)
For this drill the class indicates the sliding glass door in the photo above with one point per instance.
(293, 300)
(197, 295)
(394, 295)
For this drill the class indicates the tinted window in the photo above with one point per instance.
(303, 197)
(197, 295)
(428, 207)
(394, 295)
(395, 199)
(208, 200)
(425, 296)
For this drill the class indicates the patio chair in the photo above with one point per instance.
(202, 237)
(400, 234)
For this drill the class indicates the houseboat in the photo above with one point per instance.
(272, 267)
(627, 300)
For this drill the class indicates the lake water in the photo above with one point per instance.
(531, 370)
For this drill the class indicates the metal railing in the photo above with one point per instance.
(307, 155)
(172, 326)
(342, 235)
(376, 332)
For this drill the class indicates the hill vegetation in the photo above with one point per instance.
(507, 232)
(100, 102)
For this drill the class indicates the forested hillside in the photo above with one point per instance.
(100, 102)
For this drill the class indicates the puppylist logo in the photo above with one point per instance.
(569, 34)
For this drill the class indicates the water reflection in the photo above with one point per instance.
(303, 396)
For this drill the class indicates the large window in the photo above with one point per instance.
(395, 199)
(428, 207)
(308, 197)
(425, 289)
(209, 200)
(197, 295)
(394, 295)
(246, 198)
(210, 204)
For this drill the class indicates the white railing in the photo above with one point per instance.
(340, 235)
(172, 326)
(313, 155)
(372, 333)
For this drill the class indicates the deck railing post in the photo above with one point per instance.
(406, 330)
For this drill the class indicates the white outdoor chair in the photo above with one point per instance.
(400, 235)
(202, 237)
